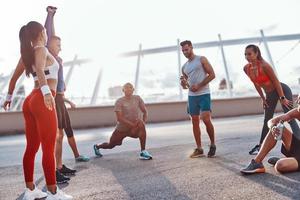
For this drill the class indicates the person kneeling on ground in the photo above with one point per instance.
(129, 124)
(290, 146)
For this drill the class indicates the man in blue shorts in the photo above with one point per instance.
(197, 72)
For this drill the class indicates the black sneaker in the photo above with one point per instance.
(273, 160)
(253, 168)
(60, 178)
(212, 151)
(67, 171)
(255, 150)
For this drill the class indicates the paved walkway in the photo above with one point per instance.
(170, 175)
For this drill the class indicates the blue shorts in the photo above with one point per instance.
(199, 104)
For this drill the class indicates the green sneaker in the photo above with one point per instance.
(82, 158)
(145, 155)
(97, 151)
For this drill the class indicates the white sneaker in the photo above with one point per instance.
(34, 194)
(59, 195)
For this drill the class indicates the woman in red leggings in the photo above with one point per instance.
(39, 110)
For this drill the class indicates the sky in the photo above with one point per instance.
(101, 30)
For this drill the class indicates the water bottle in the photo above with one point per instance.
(280, 127)
(185, 83)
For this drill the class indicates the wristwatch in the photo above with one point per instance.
(282, 97)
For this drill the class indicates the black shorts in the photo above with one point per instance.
(63, 118)
(294, 151)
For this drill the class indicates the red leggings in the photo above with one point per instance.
(40, 128)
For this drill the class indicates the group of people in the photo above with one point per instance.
(197, 73)
(46, 116)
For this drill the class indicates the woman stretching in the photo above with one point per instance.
(263, 77)
(39, 110)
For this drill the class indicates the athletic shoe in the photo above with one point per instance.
(273, 160)
(145, 155)
(97, 151)
(82, 158)
(60, 178)
(67, 171)
(253, 168)
(255, 150)
(197, 153)
(34, 194)
(59, 195)
(212, 151)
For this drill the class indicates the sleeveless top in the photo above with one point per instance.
(261, 78)
(196, 74)
(51, 71)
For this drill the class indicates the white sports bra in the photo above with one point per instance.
(51, 71)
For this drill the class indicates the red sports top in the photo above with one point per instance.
(261, 77)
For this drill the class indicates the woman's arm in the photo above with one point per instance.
(270, 73)
(15, 77)
(12, 83)
(40, 63)
(257, 87)
(260, 92)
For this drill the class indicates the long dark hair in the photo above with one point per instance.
(256, 50)
(27, 35)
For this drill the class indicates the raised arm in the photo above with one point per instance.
(49, 23)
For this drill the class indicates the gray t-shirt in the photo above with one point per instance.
(196, 74)
(131, 110)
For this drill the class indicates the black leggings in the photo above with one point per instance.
(272, 99)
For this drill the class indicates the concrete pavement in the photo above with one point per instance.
(170, 175)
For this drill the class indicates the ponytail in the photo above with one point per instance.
(26, 50)
(27, 35)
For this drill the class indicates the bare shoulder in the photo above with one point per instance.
(267, 69)
(138, 97)
(40, 51)
(119, 100)
(203, 59)
(265, 65)
(245, 68)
